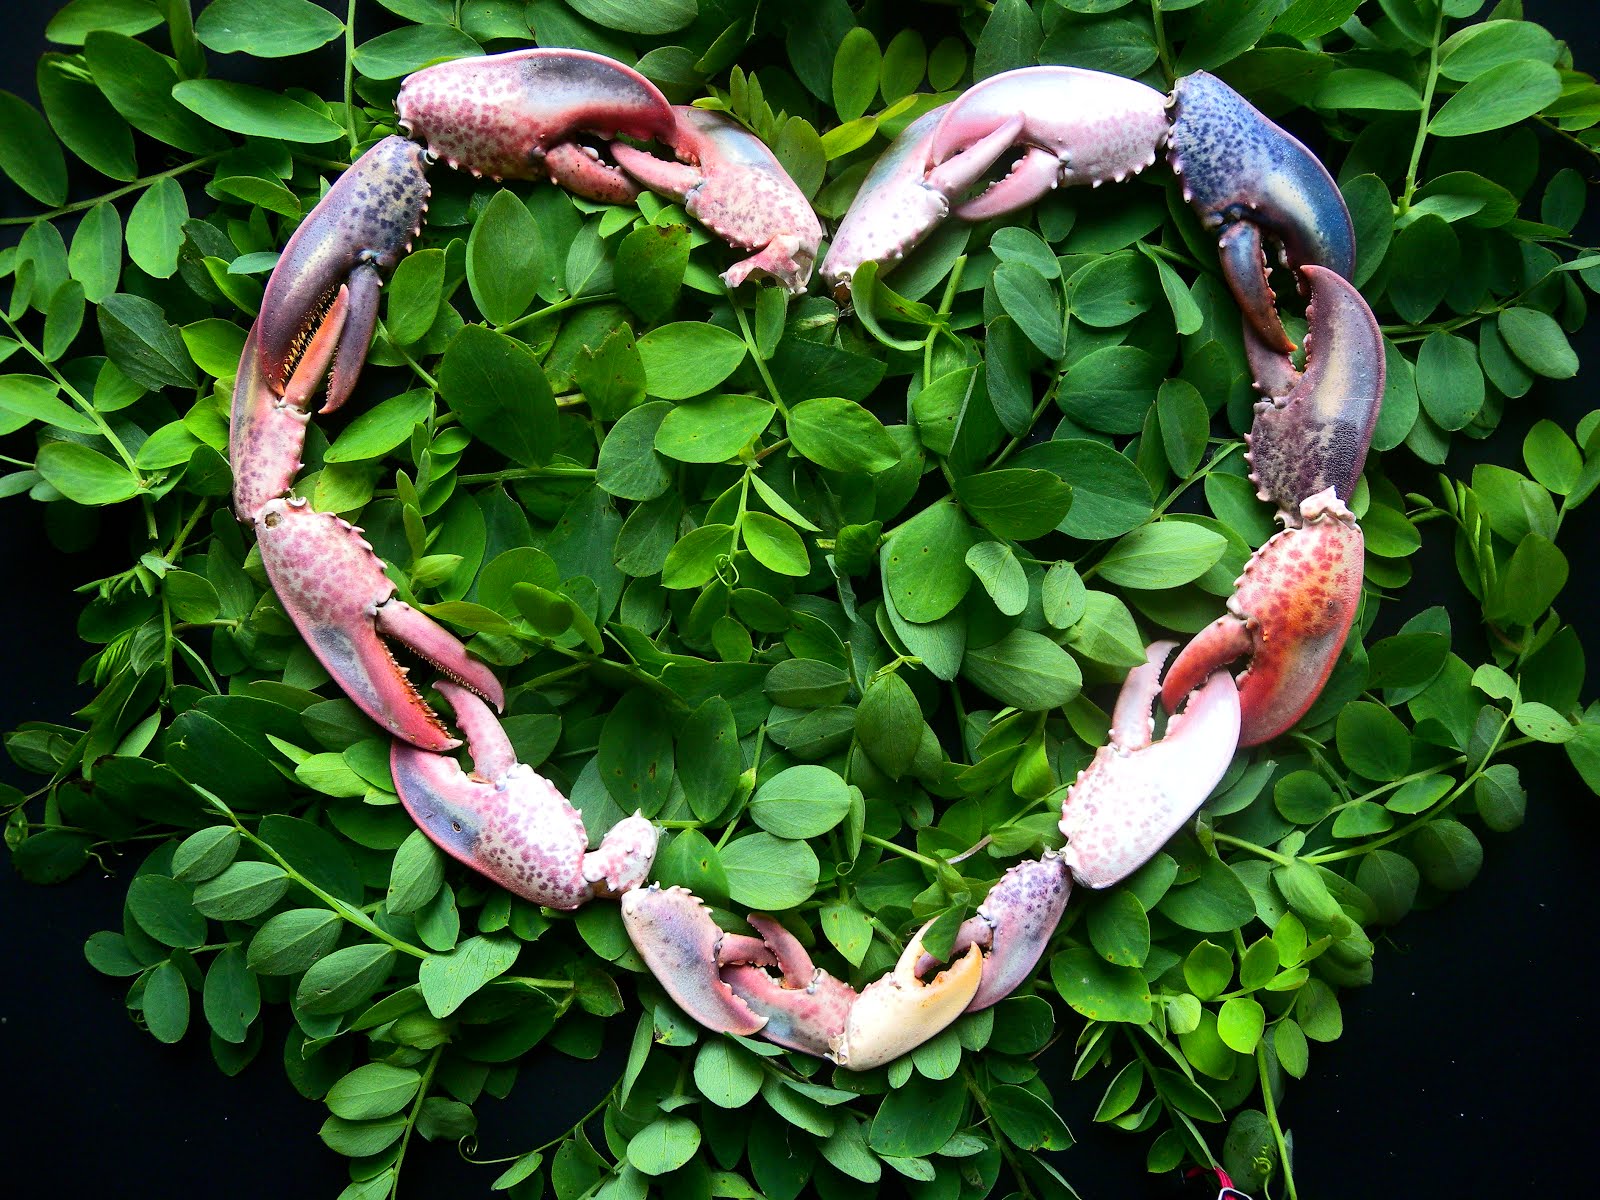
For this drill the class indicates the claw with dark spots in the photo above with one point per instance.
(1289, 615)
(1316, 437)
(732, 184)
(509, 823)
(1254, 181)
(523, 115)
(1136, 793)
(333, 588)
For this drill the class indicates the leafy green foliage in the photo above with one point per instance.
(834, 598)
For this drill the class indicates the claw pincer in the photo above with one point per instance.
(510, 823)
(318, 313)
(1254, 181)
(523, 115)
(333, 588)
(732, 184)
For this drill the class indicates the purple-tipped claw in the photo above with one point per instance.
(678, 940)
(732, 184)
(1251, 179)
(1317, 436)
(1136, 793)
(321, 303)
(333, 587)
(521, 116)
(509, 823)
(1013, 926)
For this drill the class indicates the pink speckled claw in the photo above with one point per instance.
(1013, 925)
(723, 981)
(510, 823)
(318, 313)
(524, 115)
(333, 587)
(1073, 126)
(1290, 614)
(1136, 793)
(730, 182)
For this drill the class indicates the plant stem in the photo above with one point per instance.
(1422, 119)
(1271, 1109)
(885, 844)
(349, 83)
(143, 181)
(416, 1106)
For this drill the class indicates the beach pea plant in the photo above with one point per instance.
(838, 597)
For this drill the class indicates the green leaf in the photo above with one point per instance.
(659, 16)
(84, 475)
(404, 50)
(800, 802)
(244, 890)
(343, 980)
(1536, 339)
(1500, 96)
(1026, 1120)
(205, 853)
(81, 17)
(769, 873)
(266, 28)
(1098, 990)
(138, 338)
(1034, 303)
(1119, 929)
(29, 152)
(448, 980)
(726, 1073)
(1449, 381)
(139, 83)
(842, 436)
(165, 1003)
(164, 909)
(415, 875)
(415, 293)
(1471, 51)
(1240, 1023)
(1025, 670)
(504, 259)
(231, 996)
(924, 563)
(1001, 575)
(1373, 741)
(1015, 503)
(775, 544)
(1163, 555)
(383, 427)
(650, 265)
(374, 1090)
(292, 941)
(856, 68)
(688, 358)
(712, 429)
(500, 393)
(241, 108)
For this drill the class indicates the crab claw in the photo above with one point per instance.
(679, 942)
(1013, 926)
(730, 182)
(894, 210)
(1290, 613)
(508, 822)
(806, 1009)
(1136, 793)
(333, 587)
(1248, 177)
(1316, 437)
(897, 1013)
(520, 116)
(318, 313)
(1077, 127)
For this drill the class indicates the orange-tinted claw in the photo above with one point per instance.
(1290, 613)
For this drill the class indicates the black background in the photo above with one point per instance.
(1464, 1070)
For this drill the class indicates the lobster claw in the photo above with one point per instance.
(521, 116)
(898, 1012)
(1316, 437)
(318, 312)
(1252, 180)
(1013, 926)
(730, 182)
(1136, 793)
(333, 588)
(510, 823)
(1290, 613)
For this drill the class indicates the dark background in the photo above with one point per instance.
(1464, 1070)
